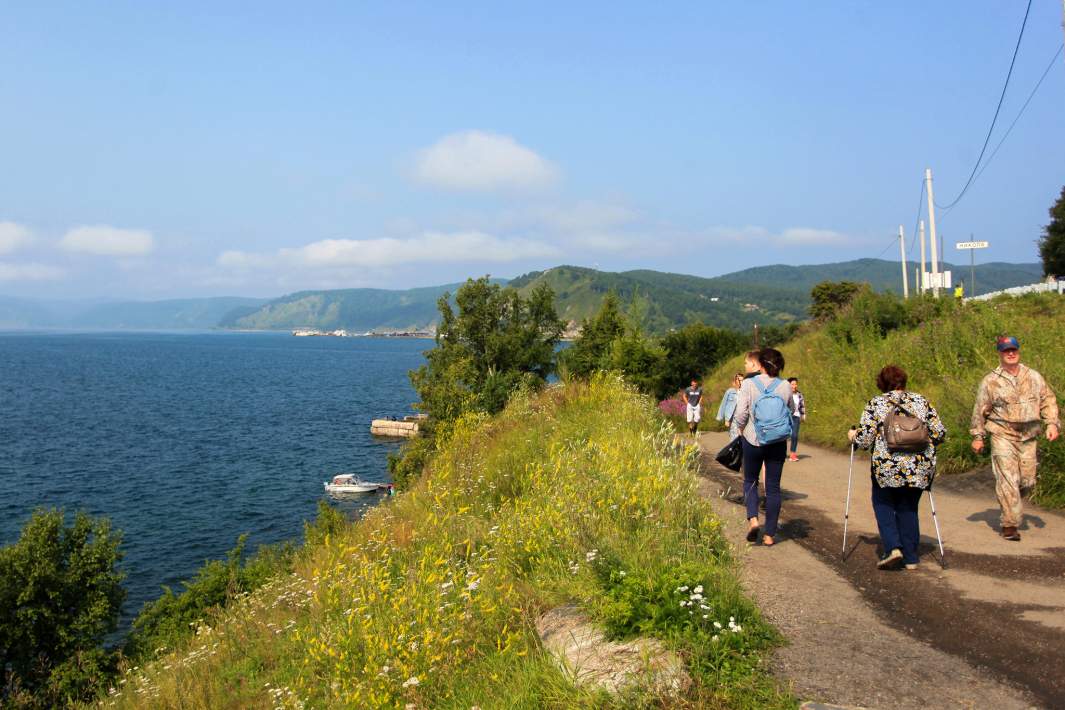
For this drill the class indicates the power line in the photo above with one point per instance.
(1021, 112)
(998, 108)
(916, 220)
(894, 240)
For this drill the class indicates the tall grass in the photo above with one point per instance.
(572, 496)
(946, 349)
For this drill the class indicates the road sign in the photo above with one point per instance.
(971, 245)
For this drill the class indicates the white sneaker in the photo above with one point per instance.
(893, 560)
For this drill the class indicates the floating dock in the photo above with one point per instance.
(406, 428)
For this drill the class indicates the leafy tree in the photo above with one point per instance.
(497, 343)
(1052, 243)
(60, 595)
(639, 358)
(693, 351)
(830, 296)
(589, 351)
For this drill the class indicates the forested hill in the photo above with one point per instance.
(886, 275)
(764, 295)
(359, 309)
(671, 299)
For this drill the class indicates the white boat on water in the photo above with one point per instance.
(350, 483)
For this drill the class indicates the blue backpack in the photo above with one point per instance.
(772, 418)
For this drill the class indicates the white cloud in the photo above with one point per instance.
(482, 161)
(429, 247)
(13, 237)
(29, 272)
(790, 237)
(108, 241)
(805, 236)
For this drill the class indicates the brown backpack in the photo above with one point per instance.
(905, 433)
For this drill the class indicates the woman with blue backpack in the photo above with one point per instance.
(763, 419)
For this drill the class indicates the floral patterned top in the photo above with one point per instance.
(898, 469)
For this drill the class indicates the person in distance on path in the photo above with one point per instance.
(755, 454)
(692, 398)
(899, 477)
(1010, 402)
(728, 401)
(797, 405)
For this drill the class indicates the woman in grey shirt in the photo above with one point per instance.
(755, 455)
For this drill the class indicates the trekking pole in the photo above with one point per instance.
(847, 507)
(942, 554)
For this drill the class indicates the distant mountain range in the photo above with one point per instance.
(763, 295)
(177, 314)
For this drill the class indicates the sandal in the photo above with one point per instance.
(752, 533)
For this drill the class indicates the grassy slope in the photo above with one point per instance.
(945, 357)
(576, 495)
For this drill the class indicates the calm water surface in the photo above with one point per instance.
(188, 440)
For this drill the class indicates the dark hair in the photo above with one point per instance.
(752, 355)
(891, 378)
(793, 379)
(772, 360)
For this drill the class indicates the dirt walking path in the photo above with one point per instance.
(986, 632)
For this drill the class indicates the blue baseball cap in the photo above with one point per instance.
(1007, 342)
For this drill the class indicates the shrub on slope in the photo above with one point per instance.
(574, 495)
(945, 347)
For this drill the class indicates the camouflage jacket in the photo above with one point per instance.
(1012, 407)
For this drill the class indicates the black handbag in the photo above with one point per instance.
(731, 456)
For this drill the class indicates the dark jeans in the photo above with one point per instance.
(772, 455)
(795, 422)
(896, 516)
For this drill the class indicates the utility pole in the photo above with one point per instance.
(932, 231)
(905, 278)
(757, 346)
(921, 285)
(972, 261)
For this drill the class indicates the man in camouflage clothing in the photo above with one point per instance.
(1012, 403)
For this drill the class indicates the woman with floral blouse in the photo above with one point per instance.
(899, 478)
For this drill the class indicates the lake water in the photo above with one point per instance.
(186, 441)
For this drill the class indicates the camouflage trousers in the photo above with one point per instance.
(1014, 464)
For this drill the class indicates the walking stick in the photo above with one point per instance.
(847, 508)
(942, 554)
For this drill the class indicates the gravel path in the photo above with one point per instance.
(986, 632)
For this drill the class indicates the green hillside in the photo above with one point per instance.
(359, 309)
(573, 497)
(885, 275)
(764, 295)
(672, 299)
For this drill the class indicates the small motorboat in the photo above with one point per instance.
(350, 483)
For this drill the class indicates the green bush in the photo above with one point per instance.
(60, 595)
(170, 619)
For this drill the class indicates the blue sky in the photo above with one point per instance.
(151, 152)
